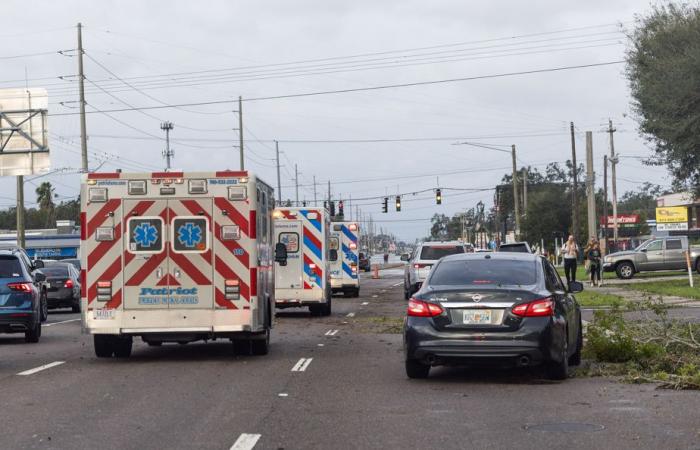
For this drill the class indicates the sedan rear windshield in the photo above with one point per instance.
(438, 251)
(10, 267)
(484, 272)
(55, 271)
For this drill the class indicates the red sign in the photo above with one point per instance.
(621, 219)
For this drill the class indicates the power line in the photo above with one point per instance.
(360, 89)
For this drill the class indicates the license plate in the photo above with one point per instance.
(477, 317)
(104, 314)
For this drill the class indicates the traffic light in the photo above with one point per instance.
(438, 197)
(340, 208)
(398, 203)
(332, 208)
(385, 205)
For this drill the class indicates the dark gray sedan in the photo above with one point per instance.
(64, 286)
(505, 308)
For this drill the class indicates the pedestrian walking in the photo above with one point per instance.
(594, 255)
(570, 258)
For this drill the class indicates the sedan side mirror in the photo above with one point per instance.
(281, 254)
(644, 250)
(575, 286)
(39, 277)
(38, 264)
(404, 257)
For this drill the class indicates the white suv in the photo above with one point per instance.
(422, 260)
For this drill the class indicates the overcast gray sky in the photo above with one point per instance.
(181, 51)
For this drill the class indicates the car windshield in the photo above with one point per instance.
(55, 271)
(484, 272)
(435, 252)
(9, 267)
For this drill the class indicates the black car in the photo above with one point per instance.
(506, 308)
(22, 296)
(363, 261)
(64, 286)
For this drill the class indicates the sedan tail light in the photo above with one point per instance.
(419, 308)
(542, 307)
(20, 287)
(421, 266)
(68, 284)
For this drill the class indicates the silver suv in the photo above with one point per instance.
(422, 260)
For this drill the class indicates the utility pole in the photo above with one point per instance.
(516, 196)
(574, 195)
(279, 184)
(524, 191)
(296, 183)
(613, 161)
(240, 130)
(81, 87)
(167, 126)
(605, 204)
(315, 201)
(329, 194)
(20, 211)
(590, 185)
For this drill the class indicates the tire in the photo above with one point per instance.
(44, 307)
(122, 347)
(559, 370)
(75, 307)
(327, 308)
(356, 293)
(315, 310)
(260, 347)
(104, 347)
(575, 359)
(32, 336)
(416, 370)
(625, 270)
(406, 294)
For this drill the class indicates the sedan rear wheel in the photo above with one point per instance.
(44, 305)
(32, 336)
(415, 369)
(559, 370)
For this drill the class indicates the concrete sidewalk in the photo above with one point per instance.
(640, 296)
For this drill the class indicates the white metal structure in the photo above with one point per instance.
(176, 257)
(302, 271)
(345, 238)
(24, 145)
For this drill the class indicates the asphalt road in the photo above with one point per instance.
(352, 394)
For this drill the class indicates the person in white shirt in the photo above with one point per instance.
(570, 258)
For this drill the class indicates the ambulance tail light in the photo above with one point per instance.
(237, 193)
(230, 233)
(353, 267)
(352, 227)
(137, 187)
(104, 291)
(353, 246)
(232, 289)
(312, 266)
(104, 234)
(197, 186)
(97, 195)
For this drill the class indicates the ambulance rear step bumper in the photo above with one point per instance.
(191, 337)
(282, 304)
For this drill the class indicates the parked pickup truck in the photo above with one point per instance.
(663, 253)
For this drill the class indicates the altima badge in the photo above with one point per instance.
(477, 298)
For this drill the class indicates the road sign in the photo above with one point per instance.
(24, 145)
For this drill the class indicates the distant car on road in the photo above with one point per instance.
(664, 253)
(22, 296)
(423, 258)
(75, 262)
(64, 286)
(515, 247)
(506, 308)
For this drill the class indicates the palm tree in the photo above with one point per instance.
(44, 197)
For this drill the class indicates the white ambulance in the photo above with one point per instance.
(302, 275)
(345, 278)
(176, 257)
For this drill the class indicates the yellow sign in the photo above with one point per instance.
(672, 214)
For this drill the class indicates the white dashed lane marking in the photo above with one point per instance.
(397, 284)
(245, 441)
(40, 368)
(58, 323)
(302, 364)
(364, 303)
(351, 314)
(331, 332)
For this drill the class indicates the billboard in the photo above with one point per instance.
(24, 145)
(622, 219)
(672, 214)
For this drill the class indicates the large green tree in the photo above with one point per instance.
(663, 68)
